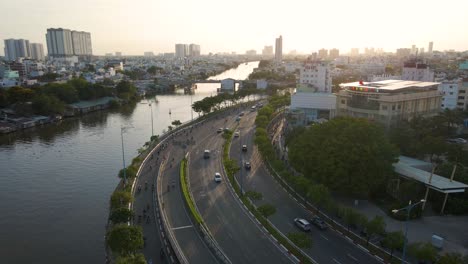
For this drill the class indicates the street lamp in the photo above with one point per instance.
(151, 106)
(123, 156)
(241, 161)
(408, 211)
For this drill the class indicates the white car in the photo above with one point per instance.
(236, 134)
(217, 177)
(303, 224)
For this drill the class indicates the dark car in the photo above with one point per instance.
(247, 165)
(318, 222)
(244, 148)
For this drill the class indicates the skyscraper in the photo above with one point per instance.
(37, 51)
(334, 53)
(64, 43)
(181, 50)
(279, 49)
(267, 51)
(194, 50)
(431, 45)
(17, 48)
(323, 53)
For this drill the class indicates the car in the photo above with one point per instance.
(238, 118)
(303, 224)
(236, 134)
(220, 130)
(247, 165)
(457, 140)
(217, 177)
(241, 113)
(206, 154)
(318, 222)
(244, 148)
(253, 108)
(226, 129)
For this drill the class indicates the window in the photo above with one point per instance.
(461, 97)
(393, 107)
(399, 107)
(451, 93)
(461, 91)
(384, 107)
(343, 102)
(450, 86)
(442, 105)
(460, 104)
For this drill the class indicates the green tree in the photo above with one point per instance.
(375, 226)
(125, 240)
(176, 123)
(152, 70)
(132, 259)
(394, 240)
(121, 215)
(267, 210)
(254, 195)
(423, 251)
(348, 155)
(451, 258)
(19, 94)
(351, 218)
(48, 77)
(63, 91)
(120, 198)
(47, 105)
(300, 239)
(125, 90)
(318, 194)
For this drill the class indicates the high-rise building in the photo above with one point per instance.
(403, 52)
(267, 51)
(414, 50)
(323, 53)
(416, 71)
(251, 53)
(37, 51)
(279, 49)
(334, 53)
(354, 52)
(194, 50)
(431, 45)
(181, 50)
(118, 54)
(65, 43)
(17, 48)
(148, 54)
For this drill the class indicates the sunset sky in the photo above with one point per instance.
(135, 26)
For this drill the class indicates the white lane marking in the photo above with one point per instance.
(324, 237)
(351, 256)
(334, 259)
(181, 227)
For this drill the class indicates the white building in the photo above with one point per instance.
(228, 85)
(65, 43)
(313, 99)
(279, 49)
(415, 71)
(16, 48)
(267, 51)
(262, 84)
(450, 91)
(194, 50)
(37, 51)
(181, 50)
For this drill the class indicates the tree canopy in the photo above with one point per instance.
(125, 240)
(347, 155)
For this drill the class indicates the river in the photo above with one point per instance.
(56, 180)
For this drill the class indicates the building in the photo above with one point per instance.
(63, 43)
(181, 50)
(334, 53)
(118, 54)
(17, 48)
(450, 91)
(317, 75)
(403, 52)
(267, 51)
(194, 50)
(313, 100)
(354, 52)
(228, 85)
(251, 53)
(414, 50)
(322, 53)
(389, 101)
(462, 102)
(37, 51)
(417, 71)
(279, 49)
(431, 46)
(262, 84)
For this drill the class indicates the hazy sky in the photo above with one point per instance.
(135, 26)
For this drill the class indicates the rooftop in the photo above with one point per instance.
(386, 85)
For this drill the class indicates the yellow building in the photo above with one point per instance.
(388, 101)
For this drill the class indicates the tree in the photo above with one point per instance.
(318, 194)
(375, 226)
(267, 210)
(152, 70)
(394, 240)
(125, 90)
(176, 123)
(301, 240)
(121, 215)
(451, 258)
(254, 195)
(19, 94)
(125, 240)
(423, 251)
(132, 259)
(120, 198)
(47, 105)
(48, 77)
(348, 155)
(63, 91)
(350, 217)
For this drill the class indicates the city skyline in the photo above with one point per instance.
(145, 25)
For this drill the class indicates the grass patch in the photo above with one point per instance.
(300, 239)
(185, 191)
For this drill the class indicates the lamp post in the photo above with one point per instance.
(123, 156)
(408, 212)
(241, 162)
(151, 106)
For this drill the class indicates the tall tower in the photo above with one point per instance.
(431, 45)
(279, 49)
(17, 48)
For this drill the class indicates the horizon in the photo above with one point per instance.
(150, 26)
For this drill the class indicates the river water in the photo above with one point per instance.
(56, 180)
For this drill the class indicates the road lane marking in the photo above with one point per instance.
(181, 227)
(324, 237)
(334, 259)
(351, 257)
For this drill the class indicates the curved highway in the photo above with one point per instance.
(327, 246)
(237, 234)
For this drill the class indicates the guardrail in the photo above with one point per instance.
(206, 234)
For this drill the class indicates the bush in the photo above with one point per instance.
(121, 215)
(120, 198)
(125, 240)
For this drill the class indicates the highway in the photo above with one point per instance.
(327, 246)
(237, 234)
(192, 245)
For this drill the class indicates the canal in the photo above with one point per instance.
(56, 180)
